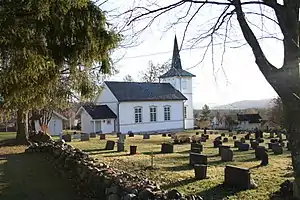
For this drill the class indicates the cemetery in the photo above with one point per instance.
(236, 168)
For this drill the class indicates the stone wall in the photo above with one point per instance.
(95, 180)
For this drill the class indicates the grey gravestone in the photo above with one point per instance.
(237, 143)
(217, 143)
(167, 148)
(203, 139)
(227, 155)
(225, 139)
(237, 177)
(200, 171)
(196, 158)
(196, 148)
(110, 145)
(93, 135)
(146, 136)
(244, 147)
(277, 150)
(120, 146)
(76, 136)
(102, 136)
(259, 152)
(67, 137)
(221, 147)
(84, 137)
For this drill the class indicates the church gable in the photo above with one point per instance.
(105, 96)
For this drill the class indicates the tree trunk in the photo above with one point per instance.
(22, 128)
(292, 116)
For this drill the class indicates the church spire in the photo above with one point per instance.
(176, 62)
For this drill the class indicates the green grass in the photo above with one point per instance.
(7, 135)
(172, 170)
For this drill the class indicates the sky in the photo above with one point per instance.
(236, 77)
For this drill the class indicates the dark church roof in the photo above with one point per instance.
(100, 112)
(252, 118)
(176, 68)
(135, 91)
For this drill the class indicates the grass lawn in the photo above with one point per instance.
(29, 176)
(7, 135)
(173, 170)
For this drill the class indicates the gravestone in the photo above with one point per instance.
(167, 148)
(122, 138)
(197, 133)
(110, 145)
(272, 135)
(227, 155)
(237, 177)
(242, 140)
(223, 134)
(270, 145)
(225, 140)
(237, 144)
(230, 134)
(130, 134)
(260, 140)
(288, 146)
(146, 136)
(132, 149)
(196, 158)
(273, 140)
(247, 137)
(217, 143)
(277, 149)
(67, 137)
(206, 136)
(200, 171)
(84, 137)
(264, 159)
(93, 135)
(259, 152)
(77, 136)
(254, 144)
(244, 147)
(221, 147)
(203, 139)
(164, 135)
(120, 146)
(234, 137)
(218, 138)
(196, 148)
(169, 135)
(102, 136)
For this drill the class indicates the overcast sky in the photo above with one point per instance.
(238, 78)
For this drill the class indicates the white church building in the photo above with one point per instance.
(142, 107)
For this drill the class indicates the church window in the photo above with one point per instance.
(167, 113)
(138, 114)
(185, 111)
(152, 114)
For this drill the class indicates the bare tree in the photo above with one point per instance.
(153, 71)
(128, 78)
(285, 15)
(275, 114)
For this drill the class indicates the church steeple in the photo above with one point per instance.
(176, 62)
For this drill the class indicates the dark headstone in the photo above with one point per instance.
(259, 152)
(223, 134)
(288, 146)
(270, 145)
(196, 148)
(264, 159)
(221, 147)
(230, 134)
(200, 171)
(203, 139)
(260, 140)
(197, 133)
(234, 137)
(237, 144)
(243, 140)
(93, 135)
(146, 136)
(277, 149)
(102, 136)
(217, 143)
(130, 134)
(237, 177)
(244, 147)
(164, 135)
(67, 137)
(227, 155)
(110, 145)
(133, 149)
(225, 140)
(84, 137)
(196, 158)
(167, 148)
(169, 135)
(247, 136)
(206, 136)
(254, 144)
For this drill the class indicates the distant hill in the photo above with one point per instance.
(246, 104)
